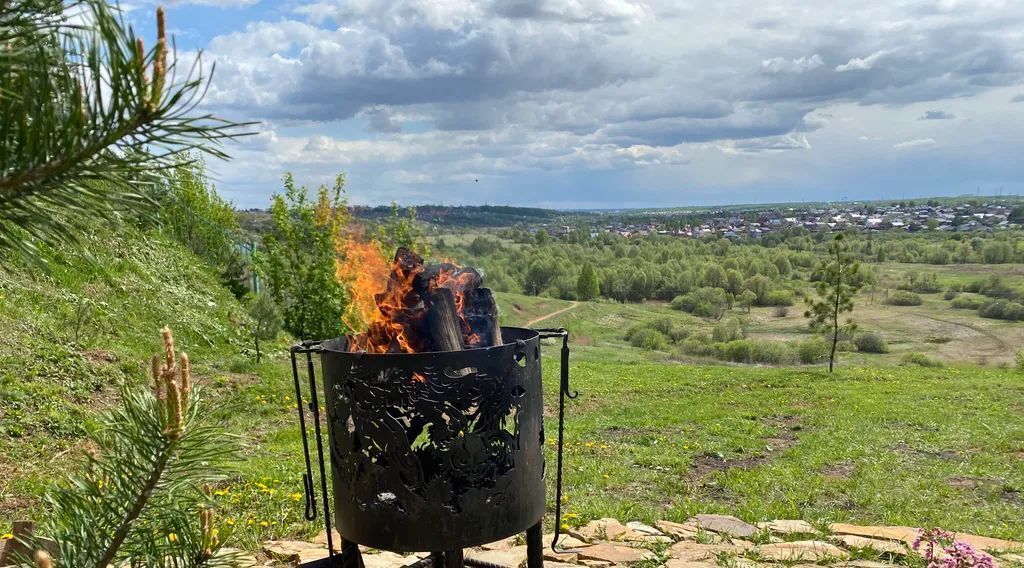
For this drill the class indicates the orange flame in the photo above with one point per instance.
(365, 271)
(385, 309)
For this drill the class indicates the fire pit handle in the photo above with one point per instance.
(563, 393)
(308, 348)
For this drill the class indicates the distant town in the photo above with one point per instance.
(903, 216)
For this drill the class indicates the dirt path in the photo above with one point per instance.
(572, 304)
(1001, 346)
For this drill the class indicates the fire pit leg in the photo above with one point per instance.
(534, 547)
(453, 559)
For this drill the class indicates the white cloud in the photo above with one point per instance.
(863, 63)
(414, 95)
(915, 143)
(799, 65)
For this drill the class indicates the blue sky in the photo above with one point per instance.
(613, 103)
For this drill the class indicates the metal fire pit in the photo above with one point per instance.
(432, 452)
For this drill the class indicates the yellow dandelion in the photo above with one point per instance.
(230, 521)
(172, 537)
(296, 496)
(264, 524)
(6, 536)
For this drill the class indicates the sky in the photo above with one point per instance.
(612, 103)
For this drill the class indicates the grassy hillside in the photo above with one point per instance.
(72, 336)
(649, 437)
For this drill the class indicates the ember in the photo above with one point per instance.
(436, 307)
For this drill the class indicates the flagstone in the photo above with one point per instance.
(615, 553)
(725, 524)
(514, 557)
(678, 530)
(694, 551)
(878, 545)
(644, 529)
(788, 526)
(801, 550)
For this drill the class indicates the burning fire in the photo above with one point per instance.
(390, 302)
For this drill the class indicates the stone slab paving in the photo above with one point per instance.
(703, 541)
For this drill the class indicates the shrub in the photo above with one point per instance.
(778, 298)
(780, 311)
(647, 338)
(739, 351)
(926, 283)
(773, 353)
(903, 298)
(727, 331)
(1002, 309)
(705, 302)
(950, 294)
(699, 345)
(966, 302)
(812, 351)
(871, 342)
(679, 333)
(663, 324)
(1020, 361)
(921, 360)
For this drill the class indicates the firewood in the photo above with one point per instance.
(442, 320)
(481, 313)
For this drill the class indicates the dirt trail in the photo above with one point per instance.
(1002, 345)
(573, 304)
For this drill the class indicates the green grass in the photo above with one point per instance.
(648, 438)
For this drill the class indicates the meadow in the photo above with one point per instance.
(655, 434)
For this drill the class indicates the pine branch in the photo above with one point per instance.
(87, 116)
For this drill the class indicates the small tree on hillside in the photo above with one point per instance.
(746, 299)
(588, 286)
(835, 290)
(299, 259)
(399, 231)
(266, 320)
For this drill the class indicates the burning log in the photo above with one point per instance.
(442, 321)
(438, 307)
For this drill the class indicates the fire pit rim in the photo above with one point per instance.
(338, 344)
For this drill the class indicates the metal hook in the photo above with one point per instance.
(563, 393)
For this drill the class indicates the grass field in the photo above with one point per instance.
(650, 436)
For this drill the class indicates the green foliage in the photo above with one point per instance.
(588, 286)
(299, 259)
(920, 359)
(87, 116)
(836, 287)
(965, 302)
(541, 238)
(904, 298)
(541, 273)
(397, 231)
(871, 342)
(1019, 361)
(646, 338)
(927, 283)
(778, 298)
(813, 351)
(1002, 309)
(727, 331)
(705, 302)
(194, 214)
(265, 320)
(746, 299)
(138, 497)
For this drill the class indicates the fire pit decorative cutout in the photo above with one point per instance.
(424, 451)
(438, 450)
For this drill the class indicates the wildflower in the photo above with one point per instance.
(6, 536)
(264, 524)
(172, 537)
(230, 521)
(296, 496)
